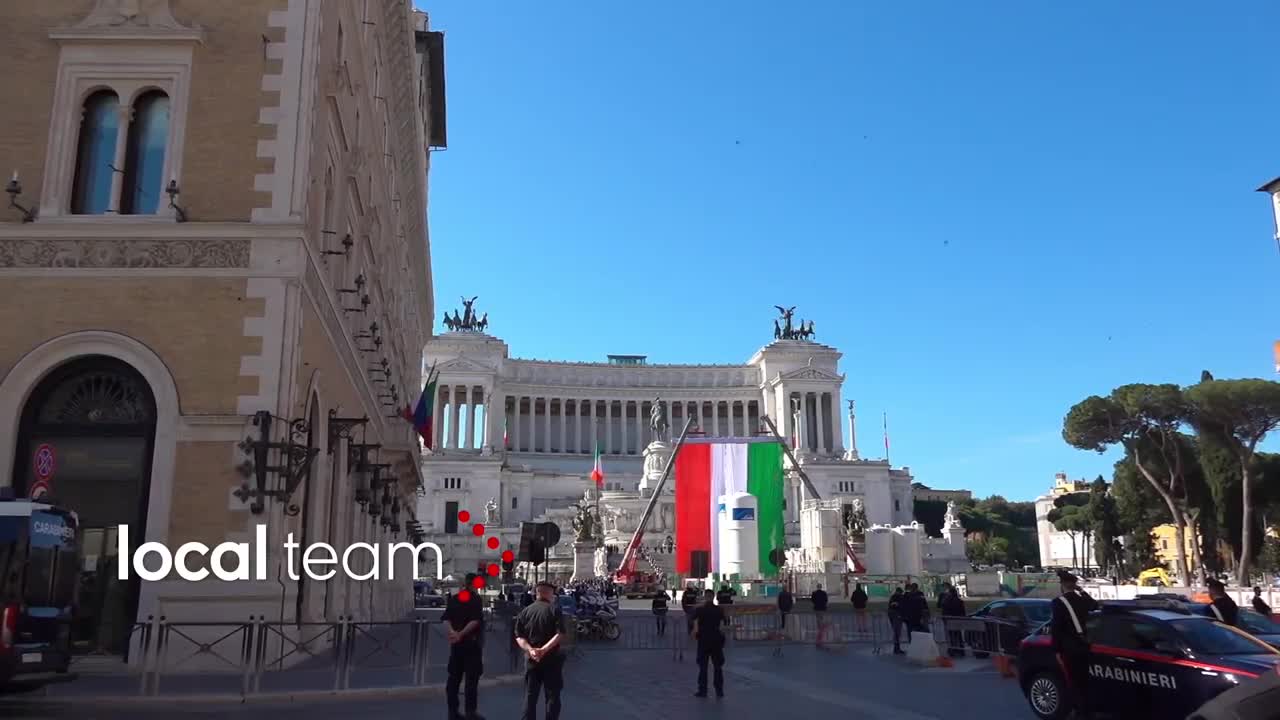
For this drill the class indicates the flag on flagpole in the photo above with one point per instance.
(423, 415)
(597, 472)
(886, 436)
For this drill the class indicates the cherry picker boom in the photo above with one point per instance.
(627, 569)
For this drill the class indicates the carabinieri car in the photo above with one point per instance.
(1148, 659)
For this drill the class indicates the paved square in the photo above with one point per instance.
(852, 684)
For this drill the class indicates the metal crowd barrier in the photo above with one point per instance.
(981, 636)
(262, 656)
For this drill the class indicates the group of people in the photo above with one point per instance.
(909, 610)
(538, 630)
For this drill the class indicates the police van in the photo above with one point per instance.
(39, 575)
(1148, 658)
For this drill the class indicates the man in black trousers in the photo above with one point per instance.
(708, 620)
(538, 629)
(465, 623)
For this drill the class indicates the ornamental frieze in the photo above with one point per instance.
(124, 253)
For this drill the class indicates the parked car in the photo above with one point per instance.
(1019, 618)
(1257, 625)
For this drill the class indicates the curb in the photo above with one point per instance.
(287, 696)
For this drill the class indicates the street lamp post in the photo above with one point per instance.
(1272, 188)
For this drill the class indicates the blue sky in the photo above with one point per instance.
(993, 209)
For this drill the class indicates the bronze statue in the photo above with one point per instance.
(467, 316)
(787, 332)
(483, 323)
(777, 331)
(658, 420)
(584, 523)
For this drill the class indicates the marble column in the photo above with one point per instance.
(823, 417)
(608, 427)
(592, 434)
(577, 426)
(546, 424)
(471, 417)
(564, 439)
(715, 417)
(515, 422)
(454, 417)
(437, 419)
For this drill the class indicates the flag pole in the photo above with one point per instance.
(795, 464)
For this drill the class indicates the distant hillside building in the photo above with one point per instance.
(920, 491)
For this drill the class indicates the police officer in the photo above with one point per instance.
(1223, 608)
(538, 629)
(1070, 613)
(465, 623)
(708, 620)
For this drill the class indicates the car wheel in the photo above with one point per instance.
(1047, 695)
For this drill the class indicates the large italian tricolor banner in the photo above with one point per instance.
(706, 469)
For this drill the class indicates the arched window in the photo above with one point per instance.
(96, 151)
(144, 156)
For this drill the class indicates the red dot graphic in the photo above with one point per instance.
(508, 556)
(478, 582)
(493, 543)
(494, 569)
(477, 529)
(464, 596)
(464, 516)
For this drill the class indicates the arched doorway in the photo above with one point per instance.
(97, 417)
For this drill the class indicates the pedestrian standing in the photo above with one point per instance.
(1071, 643)
(895, 620)
(660, 611)
(538, 631)
(465, 623)
(708, 624)
(952, 606)
(689, 603)
(819, 598)
(1260, 606)
(1223, 608)
(859, 600)
(785, 603)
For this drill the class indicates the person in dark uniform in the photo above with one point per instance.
(689, 603)
(895, 620)
(820, 600)
(1071, 643)
(465, 623)
(1222, 608)
(660, 611)
(708, 621)
(538, 630)
(785, 603)
(951, 605)
(725, 596)
(1260, 606)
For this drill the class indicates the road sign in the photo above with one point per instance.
(44, 462)
(39, 489)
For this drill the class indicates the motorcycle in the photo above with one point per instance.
(602, 624)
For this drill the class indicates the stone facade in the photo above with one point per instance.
(1056, 547)
(534, 454)
(290, 272)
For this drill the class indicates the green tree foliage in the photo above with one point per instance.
(1012, 523)
(989, 551)
(1144, 419)
(1239, 414)
(1105, 526)
(1138, 509)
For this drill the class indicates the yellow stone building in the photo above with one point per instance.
(218, 215)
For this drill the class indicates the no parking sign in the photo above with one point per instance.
(44, 463)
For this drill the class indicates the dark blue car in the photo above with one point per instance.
(1150, 660)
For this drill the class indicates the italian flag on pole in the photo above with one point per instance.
(597, 472)
(707, 469)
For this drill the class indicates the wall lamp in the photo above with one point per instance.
(341, 428)
(173, 191)
(364, 471)
(347, 244)
(14, 188)
(293, 459)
